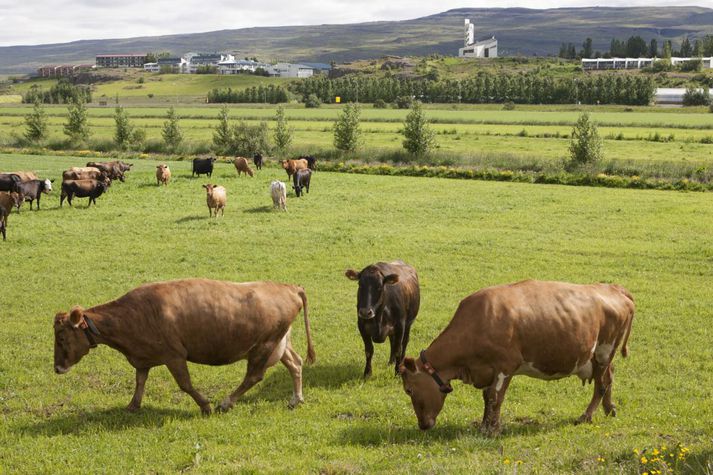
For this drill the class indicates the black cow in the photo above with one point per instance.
(32, 190)
(257, 160)
(91, 189)
(203, 166)
(311, 162)
(300, 180)
(9, 182)
(387, 304)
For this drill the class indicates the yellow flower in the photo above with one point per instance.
(645, 473)
(506, 461)
(644, 460)
(636, 451)
(655, 452)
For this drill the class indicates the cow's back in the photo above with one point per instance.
(215, 322)
(405, 294)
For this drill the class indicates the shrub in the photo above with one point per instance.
(171, 133)
(77, 127)
(283, 133)
(509, 106)
(311, 101)
(585, 146)
(248, 140)
(347, 134)
(696, 97)
(419, 139)
(123, 128)
(404, 102)
(693, 66)
(380, 104)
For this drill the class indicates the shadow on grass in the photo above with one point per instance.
(114, 419)
(186, 219)
(259, 209)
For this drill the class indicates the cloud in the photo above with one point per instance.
(59, 21)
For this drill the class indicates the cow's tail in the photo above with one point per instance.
(625, 344)
(311, 356)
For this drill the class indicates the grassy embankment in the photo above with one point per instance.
(461, 236)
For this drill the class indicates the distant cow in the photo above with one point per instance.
(7, 201)
(291, 166)
(25, 176)
(198, 320)
(163, 174)
(10, 182)
(546, 330)
(241, 166)
(203, 166)
(387, 304)
(85, 173)
(91, 189)
(311, 162)
(257, 160)
(279, 195)
(113, 170)
(301, 180)
(32, 190)
(216, 197)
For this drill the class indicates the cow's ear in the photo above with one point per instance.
(60, 317)
(408, 365)
(391, 279)
(205, 186)
(76, 316)
(351, 273)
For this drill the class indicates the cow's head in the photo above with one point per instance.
(370, 297)
(18, 199)
(285, 164)
(47, 186)
(209, 189)
(70, 342)
(426, 396)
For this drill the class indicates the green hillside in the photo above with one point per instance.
(519, 31)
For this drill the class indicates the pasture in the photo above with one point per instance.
(460, 235)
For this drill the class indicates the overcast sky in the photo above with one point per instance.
(29, 22)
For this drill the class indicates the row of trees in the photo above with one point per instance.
(637, 47)
(266, 94)
(64, 92)
(485, 88)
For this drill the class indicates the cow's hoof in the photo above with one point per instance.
(583, 419)
(133, 407)
(367, 374)
(490, 430)
(294, 402)
(610, 412)
(224, 406)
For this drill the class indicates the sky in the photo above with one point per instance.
(31, 22)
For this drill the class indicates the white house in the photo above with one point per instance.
(290, 70)
(487, 48)
(233, 66)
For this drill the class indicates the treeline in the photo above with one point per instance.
(63, 92)
(266, 94)
(638, 47)
(485, 88)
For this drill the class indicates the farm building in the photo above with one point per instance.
(120, 60)
(290, 70)
(233, 66)
(636, 63)
(487, 48)
(65, 70)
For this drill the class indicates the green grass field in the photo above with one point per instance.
(460, 235)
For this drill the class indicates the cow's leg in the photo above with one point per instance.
(493, 397)
(407, 334)
(396, 340)
(141, 375)
(599, 391)
(293, 363)
(368, 348)
(257, 365)
(609, 407)
(179, 370)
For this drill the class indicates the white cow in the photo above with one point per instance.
(279, 195)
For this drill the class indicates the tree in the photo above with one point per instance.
(123, 134)
(585, 148)
(222, 135)
(667, 49)
(686, 49)
(346, 129)
(311, 101)
(653, 48)
(171, 133)
(698, 48)
(77, 127)
(36, 124)
(419, 137)
(587, 49)
(248, 140)
(283, 133)
(696, 97)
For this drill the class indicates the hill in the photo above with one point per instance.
(519, 31)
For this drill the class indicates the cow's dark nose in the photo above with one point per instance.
(366, 313)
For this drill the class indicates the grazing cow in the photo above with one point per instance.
(163, 174)
(203, 166)
(291, 166)
(123, 166)
(198, 320)
(279, 195)
(85, 173)
(547, 330)
(311, 162)
(112, 169)
(7, 201)
(25, 176)
(241, 166)
(301, 180)
(257, 160)
(216, 197)
(32, 190)
(387, 304)
(10, 182)
(91, 189)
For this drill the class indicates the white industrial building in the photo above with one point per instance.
(290, 70)
(636, 63)
(487, 48)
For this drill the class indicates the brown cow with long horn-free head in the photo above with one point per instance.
(546, 330)
(198, 320)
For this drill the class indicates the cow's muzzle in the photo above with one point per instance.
(366, 314)
(60, 369)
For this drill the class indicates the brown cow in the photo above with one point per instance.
(114, 170)
(91, 189)
(197, 320)
(546, 330)
(85, 173)
(24, 176)
(291, 166)
(216, 197)
(7, 201)
(241, 165)
(163, 174)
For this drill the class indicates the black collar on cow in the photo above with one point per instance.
(444, 387)
(90, 330)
